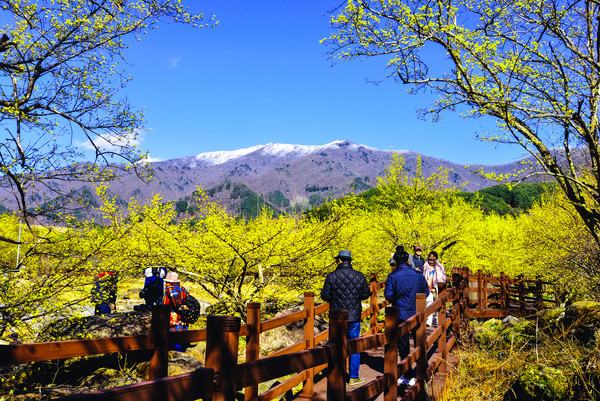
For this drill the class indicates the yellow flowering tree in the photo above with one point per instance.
(532, 65)
(60, 74)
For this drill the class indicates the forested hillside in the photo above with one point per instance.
(501, 199)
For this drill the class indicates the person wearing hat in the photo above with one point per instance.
(417, 261)
(344, 288)
(173, 298)
(401, 289)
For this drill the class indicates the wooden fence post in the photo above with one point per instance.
(522, 293)
(159, 363)
(480, 291)
(539, 293)
(485, 290)
(338, 337)
(439, 379)
(422, 339)
(309, 337)
(456, 302)
(221, 354)
(252, 344)
(503, 292)
(443, 351)
(390, 362)
(373, 302)
(466, 292)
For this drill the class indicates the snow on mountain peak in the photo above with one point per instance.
(223, 156)
(279, 150)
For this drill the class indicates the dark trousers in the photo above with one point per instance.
(404, 349)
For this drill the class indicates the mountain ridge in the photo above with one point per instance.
(300, 174)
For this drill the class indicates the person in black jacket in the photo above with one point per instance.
(401, 287)
(417, 261)
(344, 288)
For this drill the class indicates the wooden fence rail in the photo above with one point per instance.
(223, 376)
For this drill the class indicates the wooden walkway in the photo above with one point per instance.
(371, 367)
(470, 296)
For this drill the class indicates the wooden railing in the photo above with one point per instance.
(223, 375)
(502, 296)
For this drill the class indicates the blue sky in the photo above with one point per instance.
(262, 76)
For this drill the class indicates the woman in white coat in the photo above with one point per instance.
(435, 274)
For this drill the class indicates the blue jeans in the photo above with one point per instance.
(354, 332)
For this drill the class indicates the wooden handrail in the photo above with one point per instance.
(183, 387)
(320, 309)
(22, 353)
(255, 372)
(300, 357)
(282, 320)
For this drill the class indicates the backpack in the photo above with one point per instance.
(189, 309)
(153, 286)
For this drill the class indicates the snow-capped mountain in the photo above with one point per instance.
(293, 171)
(282, 174)
(272, 149)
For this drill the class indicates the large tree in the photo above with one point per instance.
(61, 73)
(533, 65)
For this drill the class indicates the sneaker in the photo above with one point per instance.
(356, 380)
(408, 383)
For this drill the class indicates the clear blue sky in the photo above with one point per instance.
(262, 76)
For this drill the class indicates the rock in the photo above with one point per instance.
(113, 325)
(551, 317)
(183, 362)
(539, 383)
(583, 319)
(510, 320)
(282, 337)
(583, 313)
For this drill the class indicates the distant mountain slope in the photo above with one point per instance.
(287, 176)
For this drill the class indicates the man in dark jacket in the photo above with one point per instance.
(344, 288)
(401, 289)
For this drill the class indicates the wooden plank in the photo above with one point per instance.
(413, 393)
(383, 304)
(322, 336)
(375, 329)
(281, 388)
(250, 373)
(361, 344)
(372, 389)
(184, 387)
(488, 313)
(299, 346)
(185, 337)
(433, 366)
(432, 338)
(283, 320)
(319, 309)
(409, 360)
(49, 351)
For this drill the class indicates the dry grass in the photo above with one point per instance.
(541, 359)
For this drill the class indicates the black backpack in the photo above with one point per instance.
(153, 286)
(189, 310)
